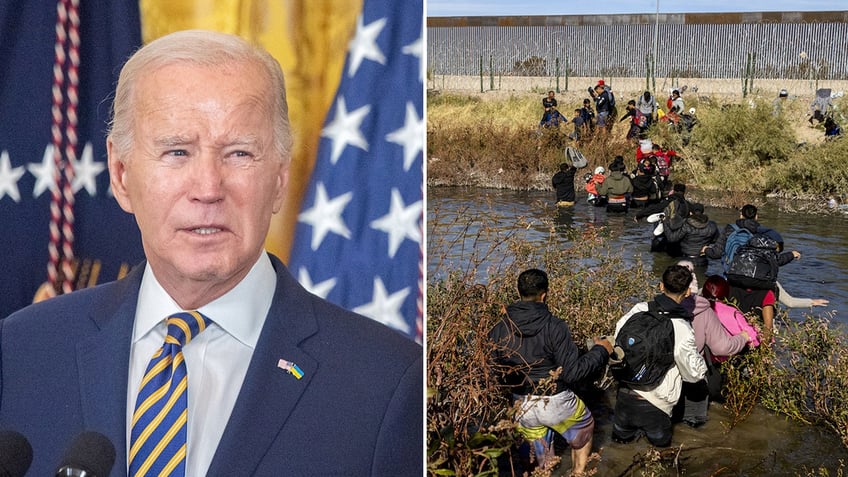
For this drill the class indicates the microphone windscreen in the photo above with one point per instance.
(15, 454)
(91, 452)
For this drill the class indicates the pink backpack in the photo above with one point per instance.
(734, 322)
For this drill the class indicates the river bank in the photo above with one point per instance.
(740, 146)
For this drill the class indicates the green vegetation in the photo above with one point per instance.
(744, 147)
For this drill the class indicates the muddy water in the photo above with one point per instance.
(822, 271)
(763, 445)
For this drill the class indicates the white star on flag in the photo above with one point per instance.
(410, 136)
(43, 172)
(416, 49)
(53, 201)
(377, 185)
(9, 177)
(86, 171)
(345, 129)
(321, 289)
(326, 216)
(400, 223)
(385, 308)
(364, 44)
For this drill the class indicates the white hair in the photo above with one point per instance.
(201, 48)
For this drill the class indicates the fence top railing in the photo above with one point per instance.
(642, 18)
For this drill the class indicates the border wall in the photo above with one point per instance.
(811, 46)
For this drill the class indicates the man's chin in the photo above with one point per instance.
(202, 269)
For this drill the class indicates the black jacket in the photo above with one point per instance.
(563, 182)
(697, 231)
(603, 103)
(674, 309)
(532, 341)
(659, 206)
(644, 186)
(716, 250)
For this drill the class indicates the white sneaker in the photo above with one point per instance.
(655, 217)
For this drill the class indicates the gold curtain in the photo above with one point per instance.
(308, 37)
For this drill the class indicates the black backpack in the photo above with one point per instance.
(755, 264)
(675, 213)
(647, 338)
(611, 96)
(737, 239)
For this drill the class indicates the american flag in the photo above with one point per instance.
(105, 238)
(359, 239)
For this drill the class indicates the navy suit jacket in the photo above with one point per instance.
(358, 410)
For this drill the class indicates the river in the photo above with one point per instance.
(765, 444)
(820, 273)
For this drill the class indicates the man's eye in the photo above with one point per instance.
(178, 152)
(241, 155)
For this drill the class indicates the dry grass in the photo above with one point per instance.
(469, 418)
(739, 146)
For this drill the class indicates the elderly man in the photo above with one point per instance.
(209, 359)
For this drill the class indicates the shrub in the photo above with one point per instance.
(469, 419)
(812, 170)
(737, 142)
(810, 382)
(743, 148)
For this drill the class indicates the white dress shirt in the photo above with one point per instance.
(216, 359)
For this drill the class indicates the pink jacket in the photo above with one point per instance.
(710, 329)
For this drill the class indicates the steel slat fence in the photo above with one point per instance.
(778, 50)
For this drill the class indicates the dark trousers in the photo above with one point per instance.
(694, 403)
(635, 416)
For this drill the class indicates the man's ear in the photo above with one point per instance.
(118, 177)
(282, 185)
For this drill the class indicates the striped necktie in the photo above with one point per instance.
(158, 437)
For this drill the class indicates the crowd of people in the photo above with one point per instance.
(532, 344)
(684, 230)
(665, 354)
(732, 313)
(616, 188)
(598, 113)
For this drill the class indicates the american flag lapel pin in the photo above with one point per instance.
(290, 368)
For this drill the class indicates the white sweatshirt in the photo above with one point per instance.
(690, 365)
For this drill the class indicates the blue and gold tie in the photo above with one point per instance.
(158, 437)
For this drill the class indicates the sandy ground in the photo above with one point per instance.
(729, 90)
(730, 87)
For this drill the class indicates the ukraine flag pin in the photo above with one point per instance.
(290, 368)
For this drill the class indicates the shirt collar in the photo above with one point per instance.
(240, 312)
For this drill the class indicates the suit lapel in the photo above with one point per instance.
(269, 393)
(103, 361)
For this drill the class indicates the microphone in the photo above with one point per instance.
(90, 454)
(15, 454)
